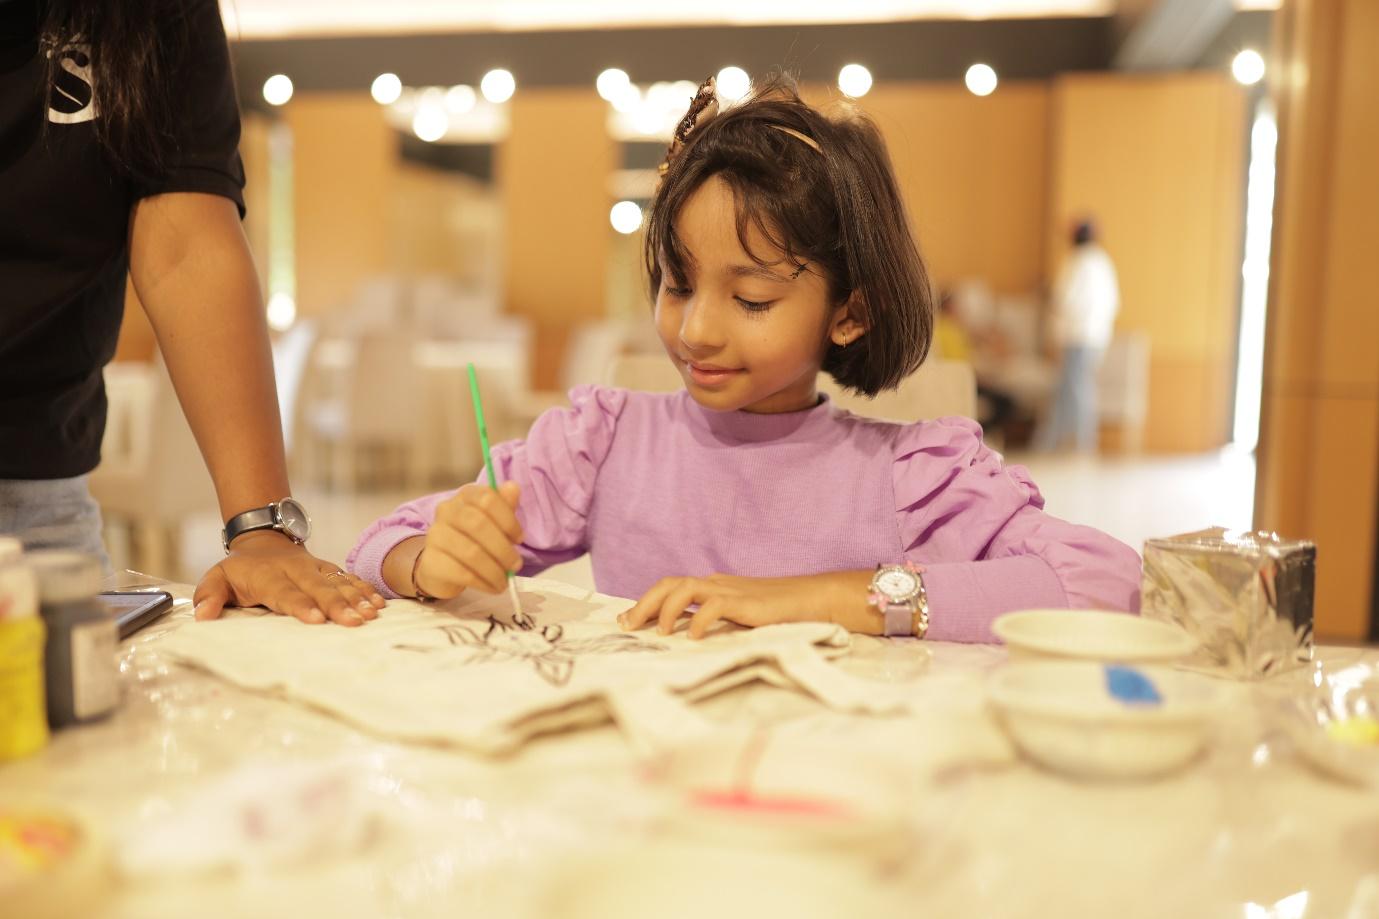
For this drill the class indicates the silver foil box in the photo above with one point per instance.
(1246, 597)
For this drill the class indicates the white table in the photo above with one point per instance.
(576, 822)
(444, 440)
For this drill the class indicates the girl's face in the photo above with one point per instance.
(744, 336)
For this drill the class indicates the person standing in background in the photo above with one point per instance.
(119, 159)
(1086, 298)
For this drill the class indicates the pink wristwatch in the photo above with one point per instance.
(898, 592)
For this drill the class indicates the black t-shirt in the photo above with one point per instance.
(64, 228)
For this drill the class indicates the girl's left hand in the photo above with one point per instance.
(746, 601)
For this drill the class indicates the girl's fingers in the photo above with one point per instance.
(511, 493)
(499, 506)
(676, 602)
(439, 575)
(473, 566)
(709, 614)
(494, 540)
(647, 606)
(443, 577)
(468, 519)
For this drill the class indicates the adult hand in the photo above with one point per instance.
(753, 602)
(265, 568)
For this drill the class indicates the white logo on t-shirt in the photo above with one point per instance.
(72, 99)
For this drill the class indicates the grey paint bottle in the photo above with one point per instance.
(79, 657)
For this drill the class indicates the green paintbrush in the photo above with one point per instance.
(518, 617)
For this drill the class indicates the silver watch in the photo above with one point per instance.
(287, 516)
(898, 592)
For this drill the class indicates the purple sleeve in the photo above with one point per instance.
(382, 536)
(979, 529)
(556, 467)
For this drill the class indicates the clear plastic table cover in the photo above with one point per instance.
(219, 802)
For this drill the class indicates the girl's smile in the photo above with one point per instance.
(744, 334)
(709, 375)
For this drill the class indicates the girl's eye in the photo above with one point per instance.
(753, 306)
(678, 291)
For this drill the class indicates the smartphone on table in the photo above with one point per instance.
(134, 609)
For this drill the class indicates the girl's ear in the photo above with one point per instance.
(848, 323)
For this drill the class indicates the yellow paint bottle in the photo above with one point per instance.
(23, 710)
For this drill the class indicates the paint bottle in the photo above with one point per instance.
(79, 661)
(23, 723)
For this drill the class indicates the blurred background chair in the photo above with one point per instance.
(151, 477)
(937, 389)
(363, 412)
(644, 372)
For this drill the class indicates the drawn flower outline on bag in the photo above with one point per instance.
(549, 651)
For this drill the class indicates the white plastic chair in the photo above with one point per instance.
(937, 389)
(593, 347)
(643, 372)
(373, 403)
(151, 477)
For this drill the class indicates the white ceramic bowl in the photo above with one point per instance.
(1060, 714)
(1076, 634)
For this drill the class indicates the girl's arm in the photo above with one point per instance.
(980, 530)
(556, 468)
(963, 597)
(976, 526)
(192, 270)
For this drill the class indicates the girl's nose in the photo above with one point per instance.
(699, 330)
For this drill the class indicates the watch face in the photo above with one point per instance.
(294, 519)
(897, 583)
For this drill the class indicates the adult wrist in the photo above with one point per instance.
(256, 538)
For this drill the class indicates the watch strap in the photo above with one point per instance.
(909, 618)
(899, 619)
(260, 518)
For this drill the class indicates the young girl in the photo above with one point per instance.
(777, 246)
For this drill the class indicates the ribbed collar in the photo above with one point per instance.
(752, 427)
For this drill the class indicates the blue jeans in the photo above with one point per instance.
(52, 514)
(1074, 405)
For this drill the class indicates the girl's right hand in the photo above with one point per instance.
(472, 543)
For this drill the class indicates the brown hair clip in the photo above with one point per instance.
(702, 110)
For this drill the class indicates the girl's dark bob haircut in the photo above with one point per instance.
(835, 209)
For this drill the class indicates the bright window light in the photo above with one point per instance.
(981, 80)
(386, 88)
(277, 89)
(1248, 67)
(282, 312)
(498, 86)
(854, 80)
(1254, 289)
(626, 217)
(733, 84)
